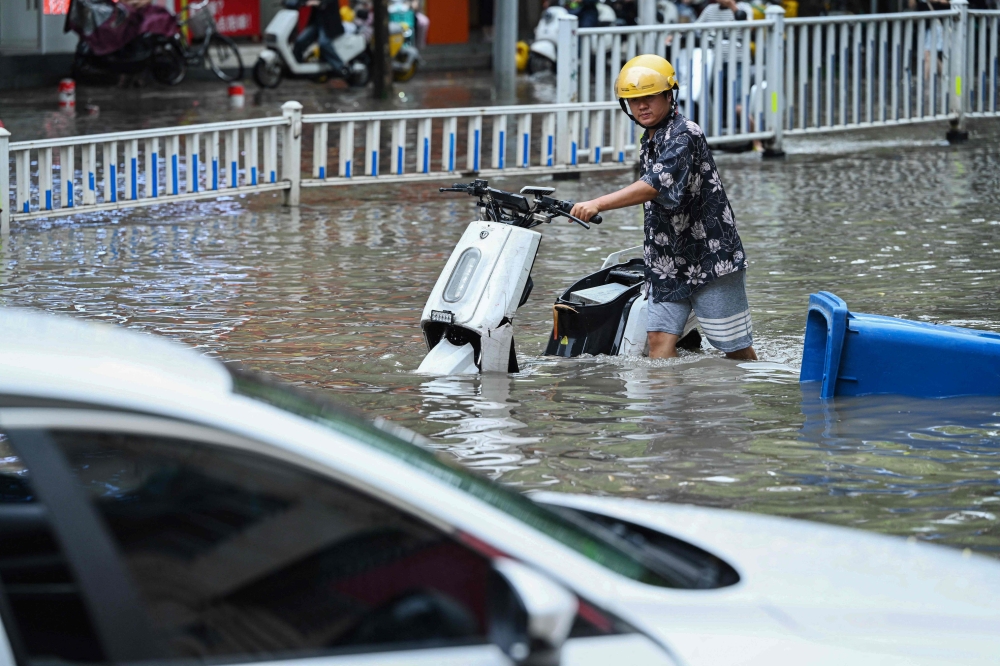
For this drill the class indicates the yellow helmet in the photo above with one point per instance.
(645, 75)
(347, 14)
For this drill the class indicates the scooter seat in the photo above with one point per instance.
(604, 293)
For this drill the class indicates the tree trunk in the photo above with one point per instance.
(381, 60)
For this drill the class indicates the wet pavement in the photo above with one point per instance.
(329, 296)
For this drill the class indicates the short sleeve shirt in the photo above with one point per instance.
(690, 231)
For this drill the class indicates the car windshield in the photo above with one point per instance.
(571, 529)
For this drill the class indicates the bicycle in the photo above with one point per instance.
(213, 48)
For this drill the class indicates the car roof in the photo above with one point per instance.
(54, 356)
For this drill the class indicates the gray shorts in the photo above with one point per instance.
(722, 310)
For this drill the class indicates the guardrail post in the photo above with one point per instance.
(776, 80)
(567, 73)
(132, 169)
(173, 166)
(499, 160)
(373, 141)
(45, 179)
(152, 168)
(449, 140)
(4, 182)
(320, 140)
(192, 149)
(524, 140)
(250, 160)
(959, 94)
(291, 157)
(67, 174)
(233, 158)
(346, 150)
(647, 12)
(110, 159)
(88, 169)
(397, 161)
(424, 134)
(475, 143)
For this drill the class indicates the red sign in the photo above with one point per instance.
(236, 18)
(55, 6)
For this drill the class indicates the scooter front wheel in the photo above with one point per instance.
(268, 74)
(361, 71)
(405, 74)
(539, 63)
(167, 63)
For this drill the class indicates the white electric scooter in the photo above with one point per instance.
(277, 60)
(543, 52)
(468, 321)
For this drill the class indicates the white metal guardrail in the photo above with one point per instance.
(866, 71)
(832, 74)
(983, 63)
(432, 144)
(57, 177)
(64, 176)
(716, 64)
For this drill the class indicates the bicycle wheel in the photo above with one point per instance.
(167, 63)
(222, 52)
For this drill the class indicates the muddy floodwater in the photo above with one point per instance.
(329, 296)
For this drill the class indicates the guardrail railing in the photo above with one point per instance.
(832, 73)
(66, 176)
(431, 144)
(870, 70)
(721, 67)
(983, 62)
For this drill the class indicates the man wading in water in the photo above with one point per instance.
(694, 256)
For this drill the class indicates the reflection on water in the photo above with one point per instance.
(329, 296)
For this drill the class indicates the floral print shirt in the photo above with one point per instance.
(690, 232)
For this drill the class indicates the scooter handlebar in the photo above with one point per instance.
(506, 199)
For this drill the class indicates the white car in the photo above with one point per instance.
(157, 505)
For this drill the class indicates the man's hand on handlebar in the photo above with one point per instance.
(585, 210)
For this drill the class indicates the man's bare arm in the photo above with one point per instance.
(636, 193)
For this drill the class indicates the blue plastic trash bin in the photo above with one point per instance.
(853, 353)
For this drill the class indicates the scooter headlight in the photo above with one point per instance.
(461, 277)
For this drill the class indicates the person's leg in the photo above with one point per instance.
(662, 345)
(329, 54)
(665, 326)
(724, 315)
(304, 41)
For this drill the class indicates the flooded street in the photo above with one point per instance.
(329, 296)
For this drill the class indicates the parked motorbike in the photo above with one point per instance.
(544, 50)
(402, 40)
(468, 321)
(119, 41)
(277, 60)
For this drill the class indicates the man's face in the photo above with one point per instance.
(651, 109)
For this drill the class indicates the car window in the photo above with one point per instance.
(236, 555)
(40, 603)
(573, 530)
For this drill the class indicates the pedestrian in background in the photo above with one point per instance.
(324, 26)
